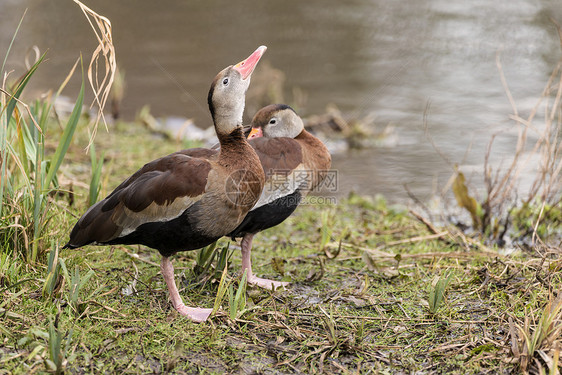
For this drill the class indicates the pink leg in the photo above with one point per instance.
(193, 313)
(246, 245)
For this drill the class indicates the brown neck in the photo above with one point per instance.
(233, 138)
(305, 136)
(234, 147)
(312, 142)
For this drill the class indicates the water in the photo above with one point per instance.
(393, 59)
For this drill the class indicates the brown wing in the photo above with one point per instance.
(316, 157)
(159, 191)
(277, 155)
(163, 164)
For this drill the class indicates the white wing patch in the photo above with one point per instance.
(280, 185)
(130, 220)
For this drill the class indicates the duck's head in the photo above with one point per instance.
(276, 120)
(227, 95)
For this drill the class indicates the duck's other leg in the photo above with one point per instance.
(246, 245)
(194, 313)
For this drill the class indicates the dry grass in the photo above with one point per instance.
(101, 81)
(539, 343)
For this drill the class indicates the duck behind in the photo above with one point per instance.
(294, 162)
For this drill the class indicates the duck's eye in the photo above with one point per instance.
(272, 121)
(225, 81)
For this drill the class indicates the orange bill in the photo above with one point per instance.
(255, 133)
(247, 66)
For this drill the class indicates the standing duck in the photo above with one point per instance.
(294, 161)
(190, 198)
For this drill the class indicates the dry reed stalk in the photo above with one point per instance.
(548, 145)
(378, 253)
(105, 49)
(501, 184)
(500, 189)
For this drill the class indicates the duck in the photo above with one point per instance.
(294, 161)
(188, 199)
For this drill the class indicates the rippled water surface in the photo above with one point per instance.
(390, 59)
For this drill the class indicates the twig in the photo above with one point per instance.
(535, 235)
(505, 85)
(393, 243)
(107, 308)
(417, 239)
(381, 254)
(417, 320)
(417, 201)
(428, 134)
(425, 222)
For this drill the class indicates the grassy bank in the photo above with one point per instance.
(376, 289)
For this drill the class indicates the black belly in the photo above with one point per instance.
(268, 215)
(169, 237)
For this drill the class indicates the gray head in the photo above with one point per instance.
(227, 95)
(276, 120)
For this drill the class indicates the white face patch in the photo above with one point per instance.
(284, 123)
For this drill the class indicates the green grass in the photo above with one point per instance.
(29, 173)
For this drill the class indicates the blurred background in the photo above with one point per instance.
(391, 62)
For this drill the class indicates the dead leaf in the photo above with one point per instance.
(466, 201)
